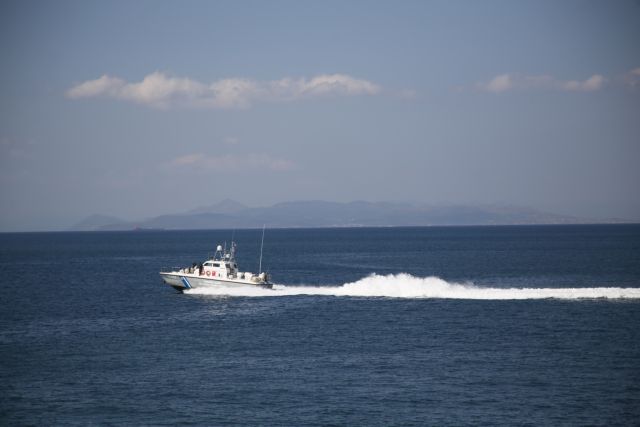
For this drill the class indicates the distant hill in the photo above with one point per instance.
(227, 206)
(98, 222)
(231, 214)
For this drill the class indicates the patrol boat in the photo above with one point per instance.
(221, 270)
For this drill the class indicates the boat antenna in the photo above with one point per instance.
(261, 245)
(233, 245)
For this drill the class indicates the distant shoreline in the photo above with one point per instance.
(170, 230)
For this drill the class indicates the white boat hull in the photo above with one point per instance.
(185, 281)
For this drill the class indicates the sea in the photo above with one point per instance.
(407, 326)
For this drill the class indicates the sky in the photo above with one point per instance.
(136, 109)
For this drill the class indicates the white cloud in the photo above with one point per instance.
(231, 93)
(593, 83)
(105, 85)
(250, 162)
(500, 83)
(334, 83)
(159, 90)
(506, 82)
(156, 90)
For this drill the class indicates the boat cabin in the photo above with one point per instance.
(219, 268)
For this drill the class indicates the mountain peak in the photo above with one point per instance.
(226, 206)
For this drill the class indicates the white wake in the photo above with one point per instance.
(407, 286)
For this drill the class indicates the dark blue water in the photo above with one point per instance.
(90, 335)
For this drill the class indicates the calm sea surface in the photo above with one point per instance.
(459, 325)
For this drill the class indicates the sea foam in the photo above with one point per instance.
(407, 286)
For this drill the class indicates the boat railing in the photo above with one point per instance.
(170, 269)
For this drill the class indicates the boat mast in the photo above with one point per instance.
(233, 246)
(261, 245)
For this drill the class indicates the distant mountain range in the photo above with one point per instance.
(231, 214)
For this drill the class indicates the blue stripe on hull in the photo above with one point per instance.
(185, 282)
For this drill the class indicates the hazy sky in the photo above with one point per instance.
(140, 108)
